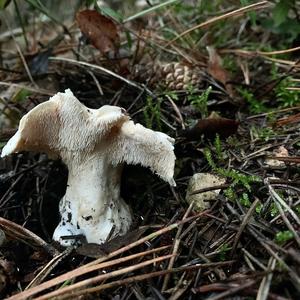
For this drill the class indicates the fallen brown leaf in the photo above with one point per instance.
(100, 30)
(288, 120)
(216, 70)
(209, 127)
(95, 250)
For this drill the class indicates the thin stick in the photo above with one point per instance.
(257, 52)
(147, 238)
(72, 274)
(264, 287)
(210, 188)
(148, 10)
(97, 83)
(35, 90)
(253, 259)
(233, 290)
(137, 278)
(9, 226)
(243, 225)
(48, 268)
(288, 223)
(294, 88)
(82, 270)
(278, 199)
(85, 64)
(176, 246)
(102, 277)
(21, 55)
(177, 111)
(234, 13)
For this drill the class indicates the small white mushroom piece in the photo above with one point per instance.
(94, 144)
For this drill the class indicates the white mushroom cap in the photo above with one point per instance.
(63, 127)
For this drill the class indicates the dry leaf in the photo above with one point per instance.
(209, 127)
(95, 250)
(216, 70)
(100, 30)
(288, 120)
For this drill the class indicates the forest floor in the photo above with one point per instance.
(223, 79)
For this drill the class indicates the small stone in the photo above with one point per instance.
(275, 163)
(200, 181)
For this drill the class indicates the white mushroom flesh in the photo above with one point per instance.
(94, 144)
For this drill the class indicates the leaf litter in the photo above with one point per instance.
(245, 244)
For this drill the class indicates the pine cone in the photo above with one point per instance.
(174, 76)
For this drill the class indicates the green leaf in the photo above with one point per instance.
(129, 39)
(245, 200)
(280, 12)
(110, 13)
(21, 95)
(148, 10)
(283, 236)
(258, 208)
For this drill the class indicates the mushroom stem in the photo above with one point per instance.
(92, 205)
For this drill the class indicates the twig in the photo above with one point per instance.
(256, 261)
(294, 276)
(96, 82)
(264, 286)
(177, 111)
(2, 200)
(211, 188)
(148, 10)
(176, 246)
(101, 278)
(243, 225)
(14, 230)
(85, 64)
(21, 23)
(94, 265)
(232, 291)
(143, 277)
(234, 13)
(278, 199)
(257, 52)
(28, 88)
(21, 56)
(48, 268)
(288, 223)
